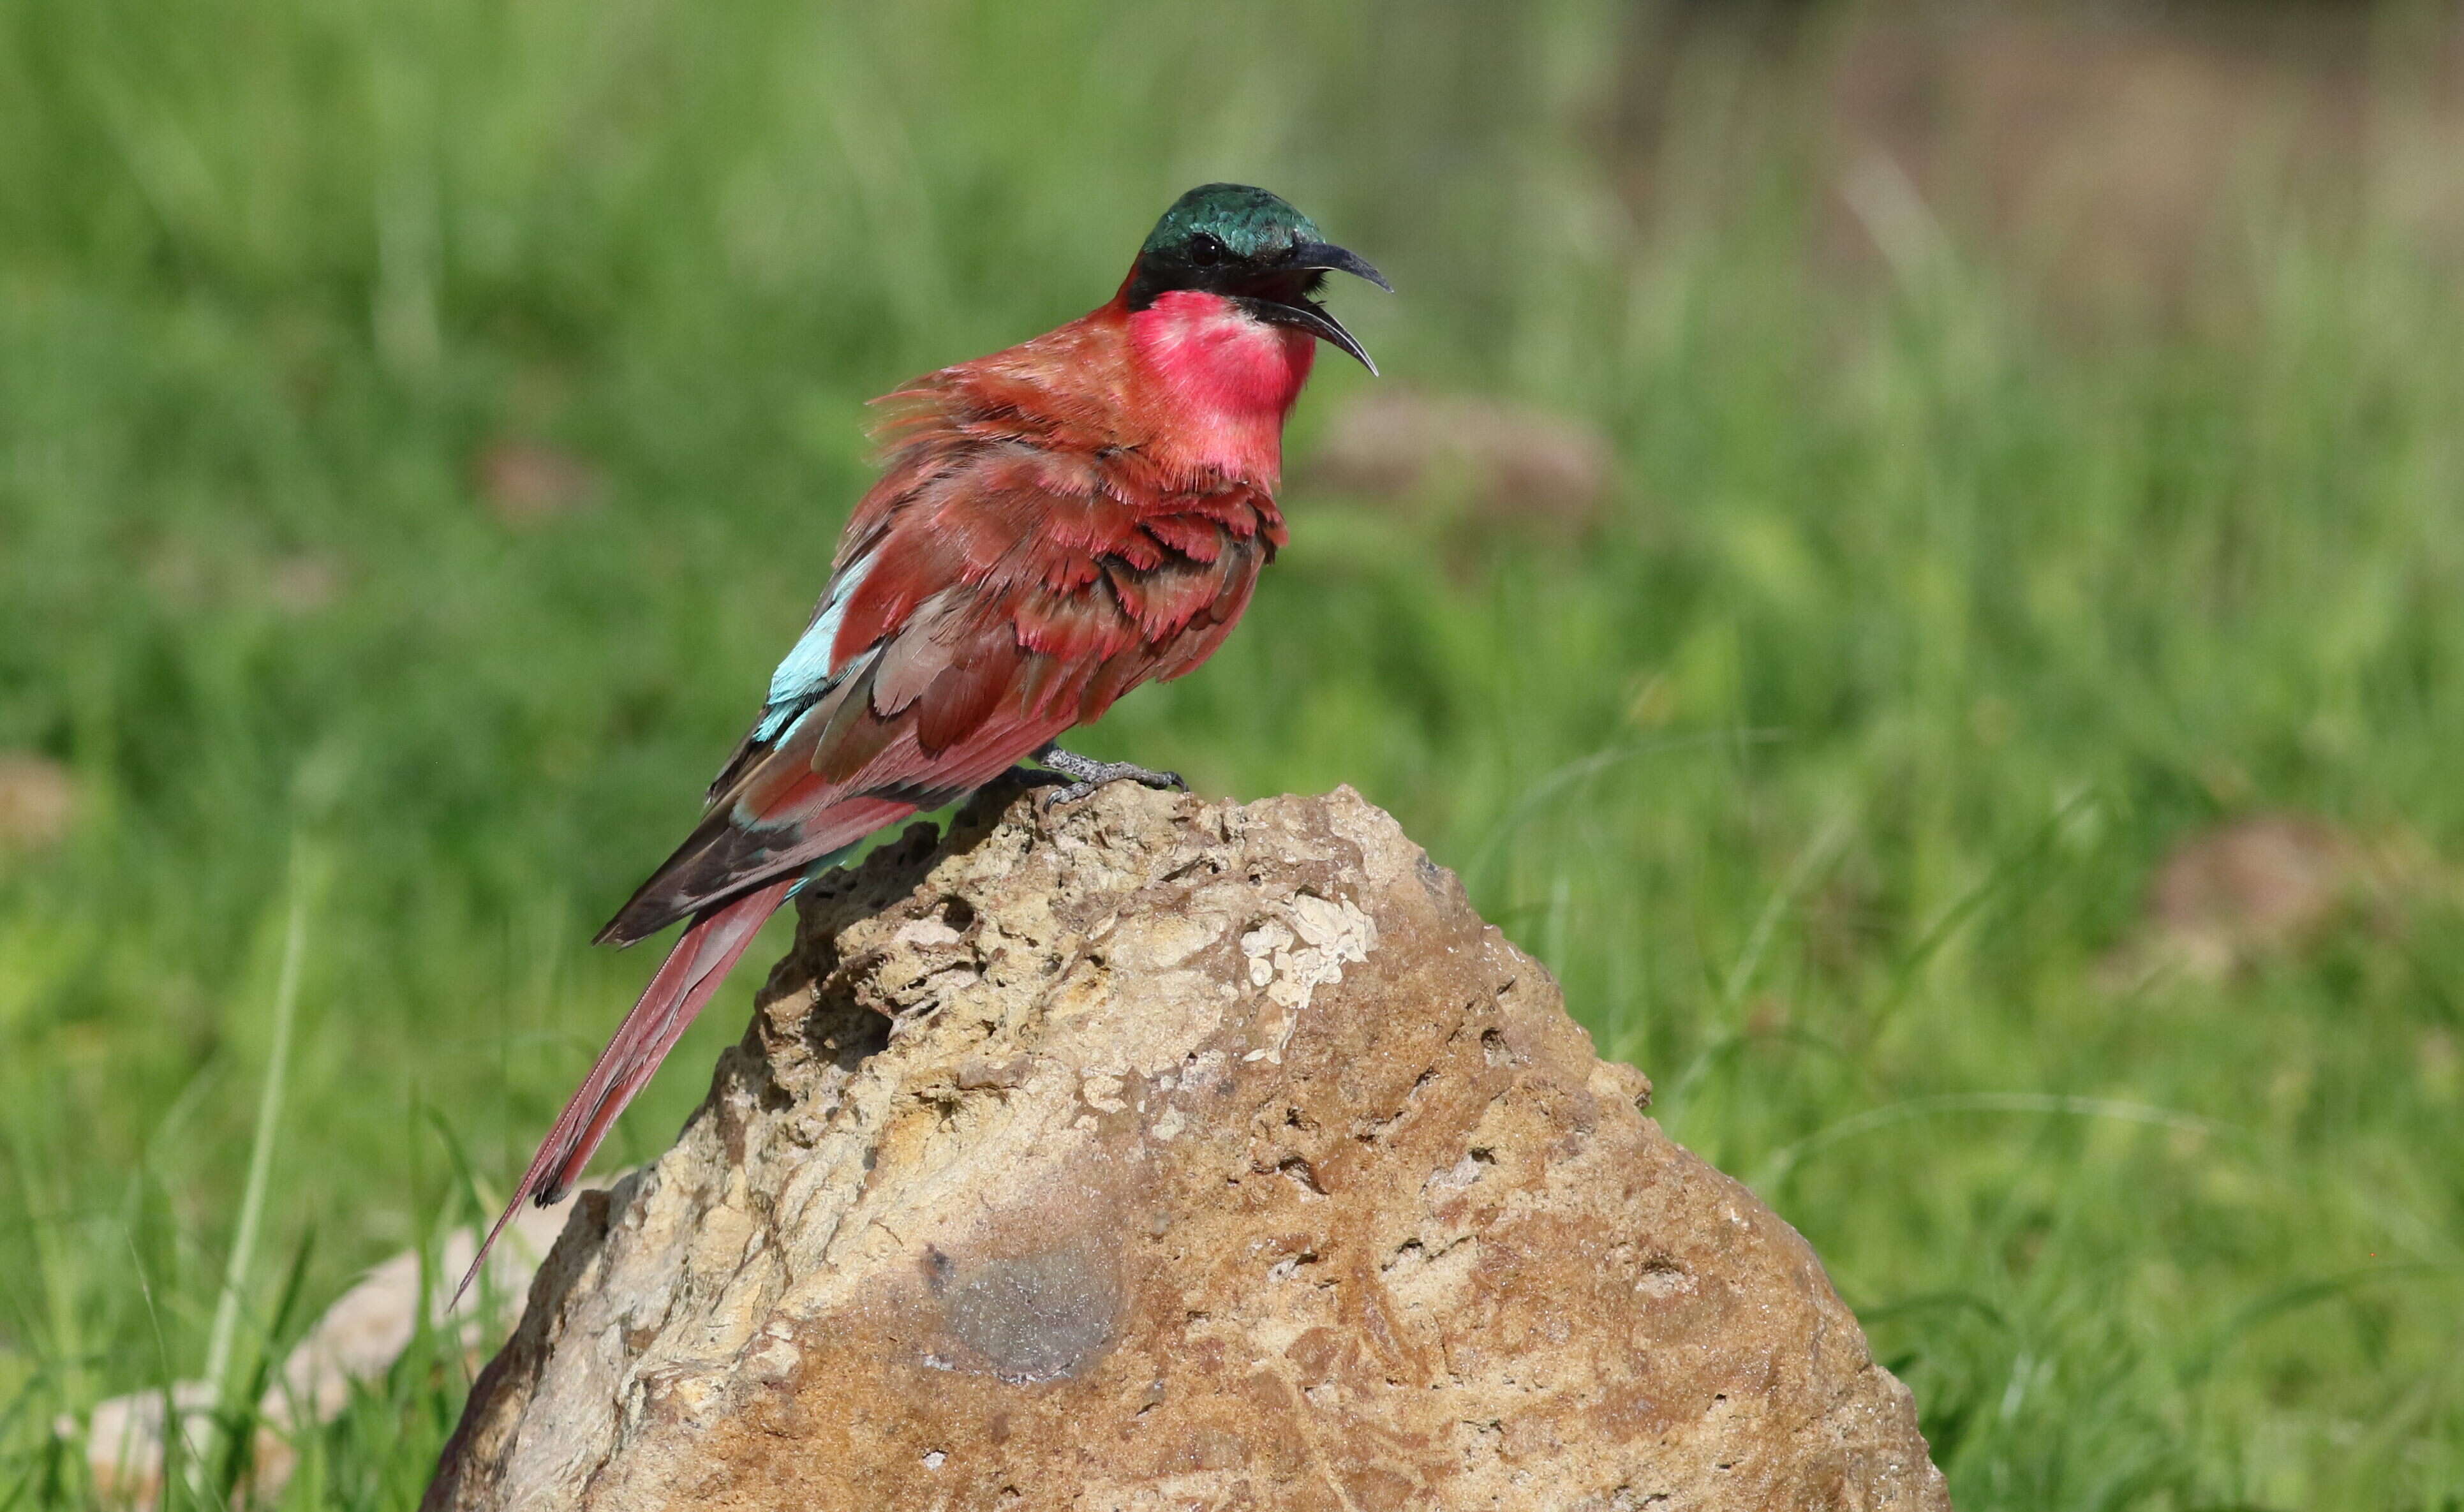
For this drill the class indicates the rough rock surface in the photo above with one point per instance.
(1159, 1153)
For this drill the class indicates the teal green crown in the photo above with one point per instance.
(1252, 224)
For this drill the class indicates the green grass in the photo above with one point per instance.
(1827, 775)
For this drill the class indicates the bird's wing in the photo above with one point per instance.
(986, 600)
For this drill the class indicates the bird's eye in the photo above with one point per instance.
(1205, 251)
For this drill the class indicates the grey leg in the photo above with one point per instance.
(1086, 775)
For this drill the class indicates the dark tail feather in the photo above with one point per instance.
(688, 979)
(721, 856)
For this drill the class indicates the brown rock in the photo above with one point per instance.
(38, 801)
(528, 483)
(2261, 886)
(1498, 464)
(1163, 1153)
(304, 584)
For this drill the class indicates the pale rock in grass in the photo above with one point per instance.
(1496, 463)
(1242, 1165)
(527, 483)
(2266, 887)
(37, 801)
(353, 1343)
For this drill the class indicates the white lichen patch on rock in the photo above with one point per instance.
(1298, 951)
(1221, 1157)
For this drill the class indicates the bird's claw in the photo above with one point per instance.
(1086, 775)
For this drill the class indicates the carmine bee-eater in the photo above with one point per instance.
(1056, 524)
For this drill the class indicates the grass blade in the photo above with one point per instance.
(221, 1341)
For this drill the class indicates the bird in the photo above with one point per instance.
(1053, 525)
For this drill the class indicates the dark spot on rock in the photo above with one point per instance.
(1038, 1316)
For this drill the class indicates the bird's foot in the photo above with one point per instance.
(1086, 775)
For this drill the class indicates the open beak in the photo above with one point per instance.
(1303, 314)
(1314, 255)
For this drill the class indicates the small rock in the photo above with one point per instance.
(356, 1341)
(304, 584)
(124, 1438)
(1503, 465)
(2441, 1063)
(184, 575)
(525, 483)
(2262, 886)
(37, 801)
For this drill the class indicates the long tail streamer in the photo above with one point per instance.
(686, 981)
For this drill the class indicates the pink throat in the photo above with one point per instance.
(1228, 381)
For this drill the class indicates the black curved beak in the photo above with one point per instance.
(1303, 314)
(1337, 259)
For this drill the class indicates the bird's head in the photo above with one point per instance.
(1253, 249)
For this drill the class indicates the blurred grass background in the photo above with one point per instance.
(1987, 744)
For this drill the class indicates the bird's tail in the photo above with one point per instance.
(687, 980)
